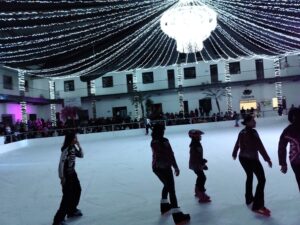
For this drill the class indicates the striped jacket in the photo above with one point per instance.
(67, 161)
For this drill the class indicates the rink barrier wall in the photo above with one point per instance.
(269, 121)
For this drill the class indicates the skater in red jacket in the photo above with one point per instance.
(198, 164)
(163, 160)
(70, 184)
(291, 134)
(250, 144)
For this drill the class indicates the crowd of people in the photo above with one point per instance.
(44, 128)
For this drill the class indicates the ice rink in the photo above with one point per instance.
(119, 187)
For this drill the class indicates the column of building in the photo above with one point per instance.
(23, 104)
(136, 96)
(180, 88)
(228, 88)
(278, 84)
(52, 106)
(91, 86)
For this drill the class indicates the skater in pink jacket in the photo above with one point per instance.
(291, 135)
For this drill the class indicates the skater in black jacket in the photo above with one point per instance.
(70, 184)
(291, 134)
(198, 164)
(162, 162)
(250, 144)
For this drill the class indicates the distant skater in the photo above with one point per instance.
(70, 184)
(250, 144)
(163, 160)
(236, 118)
(291, 135)
(198, 164)
(148, 125)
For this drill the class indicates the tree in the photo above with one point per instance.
(149, 102)
(141, 98)
(216, 94)
(70, 112)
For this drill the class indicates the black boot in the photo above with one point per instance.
(76, 213)
(180, 218)
(165, 206)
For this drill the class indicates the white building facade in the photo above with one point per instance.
(252, 83)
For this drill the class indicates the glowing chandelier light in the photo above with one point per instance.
(189, 23)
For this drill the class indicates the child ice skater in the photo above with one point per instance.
(198, 164)
(70, 184)
(250, 144)
(291, 134)
(163, 160)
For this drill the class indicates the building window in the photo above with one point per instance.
(26, 86)
(214, 73)
(189, 73)
(147, 77)
(69, 85)
(107, 82)
(7, 82)
(234, 68)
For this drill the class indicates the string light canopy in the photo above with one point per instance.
(88, 38)
(190, 22)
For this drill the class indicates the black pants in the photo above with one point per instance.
(167, 178)
(147, 128)
(296, 169)
(70, 199)
(201, 179)
(252, 166)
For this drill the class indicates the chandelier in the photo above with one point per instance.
(189, 23)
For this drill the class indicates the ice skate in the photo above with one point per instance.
(204, 198)
(263, 211)
(76, 213)
(60, 223)
(180, 218)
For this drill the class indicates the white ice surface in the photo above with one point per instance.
(119, 188)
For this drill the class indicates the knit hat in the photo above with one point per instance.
(247, 119)
(195, 133)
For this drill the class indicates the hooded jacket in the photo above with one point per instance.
(250, 144)
(162, 154)
(196, 156)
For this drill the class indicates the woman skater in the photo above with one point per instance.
(162, 162)
(250, 144)
(70, 184)
(291, 134)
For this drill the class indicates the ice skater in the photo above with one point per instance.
(291, 134)
(148, 125)
(70, 184)
(250, 144)
(163, 160)
(198, 164)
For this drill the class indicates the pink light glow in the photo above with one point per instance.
(15, 109)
